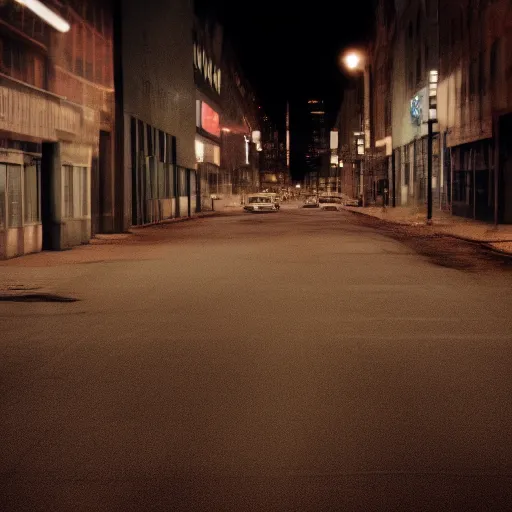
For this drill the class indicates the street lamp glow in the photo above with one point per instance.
(352, 60)
(52, 18)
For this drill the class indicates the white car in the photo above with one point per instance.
(348, 201)
(330, 203)
(262, 203)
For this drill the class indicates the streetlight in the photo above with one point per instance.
(433, 79)
(354, 62)
(46, 14)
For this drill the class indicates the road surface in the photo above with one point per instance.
(301, 361)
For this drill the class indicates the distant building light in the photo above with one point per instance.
(314, 102)
(199, 146)
(246, 139)
(46, 14)
(433, 78)
(226, 130)
(318, 112)
(340, 163)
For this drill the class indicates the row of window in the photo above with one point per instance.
(85, 53)
(18, 61)
(76, 191)
(88, 54)
(19, 195)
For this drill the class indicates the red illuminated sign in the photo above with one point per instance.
(210, 120)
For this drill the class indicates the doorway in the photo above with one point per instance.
(505, 169)
(51, 231)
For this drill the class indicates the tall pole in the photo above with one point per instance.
(429, 172)
(393, 176)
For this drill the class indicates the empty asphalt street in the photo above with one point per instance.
(296, 361)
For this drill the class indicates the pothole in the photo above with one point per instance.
(21, 288)
(35, 297)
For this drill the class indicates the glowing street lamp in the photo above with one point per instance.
(46, 14)
(352, 61)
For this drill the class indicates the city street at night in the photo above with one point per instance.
(299, 360)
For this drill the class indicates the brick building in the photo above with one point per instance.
(56, 121)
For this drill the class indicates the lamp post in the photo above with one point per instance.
(433, 78)
(354, 62)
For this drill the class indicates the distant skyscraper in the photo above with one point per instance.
(318, 143)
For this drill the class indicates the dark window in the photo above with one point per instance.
(493, 72)
(161, 146)
(149, 136)
(407, 166)
(140, 131)
(482, 83)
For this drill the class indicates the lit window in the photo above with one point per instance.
(199, 151)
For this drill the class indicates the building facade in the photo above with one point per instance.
(414, 55)
(274, 170)
(475, 108)
(56, 125)
(318, 143)
(155, 112)
(241, 131)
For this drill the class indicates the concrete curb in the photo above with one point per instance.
(484, 243)
(175, 220)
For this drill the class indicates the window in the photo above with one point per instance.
(183, 181)
(83, 175)
(14, 196)
(76, 192)
(31, 197)
(407, 165)
(68, 191)
(473, 77)
(493, 71)
(89, 55)
(3, 177)
(79, 49)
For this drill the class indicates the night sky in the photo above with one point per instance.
(290, 51)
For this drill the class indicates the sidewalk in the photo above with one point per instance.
(498, 237)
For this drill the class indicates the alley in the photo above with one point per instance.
(301, 360)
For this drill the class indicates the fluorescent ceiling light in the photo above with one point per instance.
(52, 18)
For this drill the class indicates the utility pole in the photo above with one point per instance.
(433, 79)
(429, 170)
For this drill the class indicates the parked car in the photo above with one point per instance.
(330, 203)
(261, 203)
(348, 201)
(310, 202)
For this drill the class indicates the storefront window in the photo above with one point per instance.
(3, 172)
(14, 198)
(76, 196)
(31, 199)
